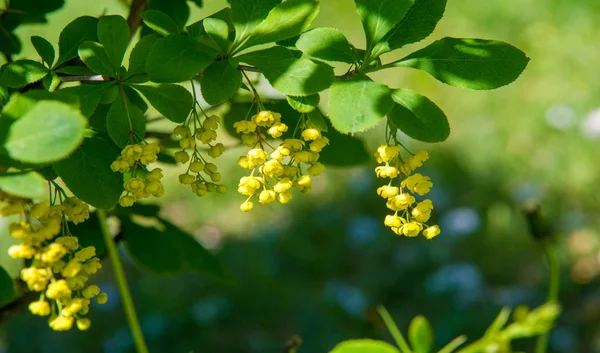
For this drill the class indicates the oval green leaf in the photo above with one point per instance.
(48, 132)
(304, 104)
(177, 58)
(420, 335)
(124, 121)
(88, 175)
(44, 49)
(95, 57)
(20, 73)
(380, 16)
(358, 104)
(160, 22)
(469, 63)
(364, 346)
(418, 117)
(78, 31)
(28, 185)
(220, 81)
(172, 101)
(326, 44)
(113, 34)
(289, 74)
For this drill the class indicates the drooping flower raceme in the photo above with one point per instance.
(58, 267)
(410, 216)
(141, 182)
(201, 175)
(275, 171)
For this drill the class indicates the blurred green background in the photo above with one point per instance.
(316, 267)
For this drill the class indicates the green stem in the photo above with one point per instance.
(113, 253)
(553, 288)
(391, 326)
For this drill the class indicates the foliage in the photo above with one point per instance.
(96, 138)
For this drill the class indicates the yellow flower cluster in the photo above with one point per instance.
(274, 175)
(142, 183)
(409, 216)
(201, 175)
(58, 266)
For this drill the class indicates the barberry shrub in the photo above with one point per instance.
(75, 133)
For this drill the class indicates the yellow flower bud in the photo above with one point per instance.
(245, 127)
(311, 134)
(61, 323)
(102, 298)
(386, 172)
(387, 191)
(91, 291)
(41, 308)
(196, 167)
(155, 175)
(431, 232)
(58, 289)
(316, 169)
(283, 185)
(318, 144)
(411, 229)
(83, 324)
(181, 157)
(182, 131)
(246, 206)
(284, 197)
(127, 201)
(267, 196)
(303, 156)
(186, 179)
(216, 150)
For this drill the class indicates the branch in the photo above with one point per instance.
(70, 78)
(134, 20)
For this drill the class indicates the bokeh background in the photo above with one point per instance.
(314, 268)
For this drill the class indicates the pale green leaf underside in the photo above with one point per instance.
(48, 132)
(160, 22)
(380, 16)
(326, 44)
(172, 101)
(28, 185)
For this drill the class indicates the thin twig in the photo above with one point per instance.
(70, 78)
(134, 20)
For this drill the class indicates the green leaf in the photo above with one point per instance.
(21, 103)
(418, 117)
(47, 172)
(380, 16)
(160, 22)
(420, 335)
(218, 31)
(326, 44)
(125, 121)
(44, 49)
(51, 81)
(139, 55)
(153, 249)
(469, 63)
(28, 185)
(364, 346)
(247, 14)
(177, 58)
(357, 104)
(7, 287)
(286, 20)
(304, 104)
(20, 73)
(195, 255)
(89, 95)
(177, 10)
(50, 131)
(89, 234)
(453, 345)
(220, 81)
(94, 56)
(135, 98)
(88, 175)
(419, 22)
(80, 30)
(113, 33)
(289, 74)
(172, 101)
